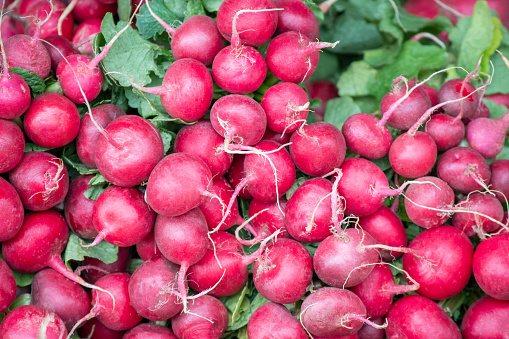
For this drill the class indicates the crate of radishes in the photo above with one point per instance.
(254, 169)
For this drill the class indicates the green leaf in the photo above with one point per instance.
(317, 11)
(103, 251)
(355, 81)
(212, 5)
(94, 192)
(134, 264)
(295, 185)
(168, 137)
(98, 180)
(75, 162)
(124, 10)
(34, 81)
(240, 307)
(383, 163)
(194, 7)
(148, 105)
(339, 109)
(496, 111)
(150, 27)
(30, 147)
(23, 279)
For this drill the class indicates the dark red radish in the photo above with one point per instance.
(214, 207)
(149, 331)
(84, 35)
(26, 6)
(147, 248)
(54, 292)
(308, 214)
(455, 89)
(292, 57)
(183, 240)
(377, 291)
(413, 155)
(94, 329)
(500, 179)
(30, 321)
(10, 27)
(345, 259)
(239, 119)
(476, 224)
(177, 184)
(254, 28)
(59, 48)
(268, 218)
(486, 318)
(52, 120)
(8, 290)
(187, 89)
(280, 138)
(29, 53)
(12, 145)
(415, 316)
(208, 149)
(153, 289)
(78, 208)
(432, 94)
(128, 150)
(368, 332)
(40, 12)
(91, 9)
(387, 229)
(89, 133)
(482, 111)
(122, 217)
(446, 131)
(297, 16)
(41, 180)
(464, 169)
(490, 267)
(272, 320)
(487, 136)
(441, 268)
(365, 135)
(321, 89)
(95, 269)
(236, 173)
(207, 318)
(286, 106)
(14, 213)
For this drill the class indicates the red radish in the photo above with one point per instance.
(10, 202)
(487, 136)
(95, 269)
(177, 184)
(432, 94)
(321, 89)
(487, 317)
(280, 138)
(29, 53)
(149, 331)
(482, 111)
(56, 293)
(59, 48)
(429, 203)
(40, 12)
(153, 289)
(84, 34)
(345, 259)
(29, 321)
(272, 320)
(26, 6)
(209, 148)
(269, 218)
(457, 88)
(236, 174)
(490, 267)
(500, 179)
(52, 120)
(147, 248)
(368, 332)
(286, 106)
(387, 229)
(91, 9)
(207, 318)
(255, 27)
(283, 272)
(8, 291)
(472, 224)
(292, 57)
(10, 27)
(187, 89)
(412, 315)
(464, 169)
(128, 150)
(297, 16)
(446, 131)
(442, 268)
(308, 215)
(41, 180)
(377, 290)
(413, 155)
(367, 136)
(12, 145)
(239, 119)
(94, 329)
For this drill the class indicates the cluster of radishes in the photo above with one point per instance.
(176, 208)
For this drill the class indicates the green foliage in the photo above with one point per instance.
(103, 251)
(33, 81)
(339, 109)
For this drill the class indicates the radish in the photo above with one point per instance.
(8, 291)
(482, 111)
(122, 217)
(368, 332)
(490, 267)
(10, 27)
(41, 180)
(91, 9)
(209, 148)
(128, 150)
(458, 88)
(283, 272)
(50, 13)
(94, 329)
(464, 169)
(297, 16)
(472, 224)
(441, 268)
(414, 316)
(446, 131)
(95, 269)
(147, 248)
(59, 48)
(500, 179)
(487, 136)
(177, 184)
(153, 289)
(367, 136)
(149, 331)
(268, 218)
(52, 120)
(272, 320)
(12, 145)
(286, 106)
(54, 292)
(280, 138)
(84, 34)
(487, 317)
(29, 53)
(10, 202)
(321, 89)
(29, 321)
(292, 57)
(413, 155)
(236, 174)
(207, 318)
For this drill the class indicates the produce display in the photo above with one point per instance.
(254, 169)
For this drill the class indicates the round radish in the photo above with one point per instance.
(413, 156)
(455, 89)
(269, 221)
(12, 145)
(29, 53)
(487, 136)
(324, 90)
(84, 35)
(473, 224)
(10, 27)
(365, 135)
(90, 9)
(59, 48)
(40, 11)
(500, 179)
(214, 207)
(94, 329)
(369, 332)
(147, 248)
(446, 131)
(10, 203)
(277, 137)
(95, 269)
(486, 318)
(149, 331)
(272, 320)
(482, 111)
(29, 321)
(15, 98)
(297, 16)
(8, 291)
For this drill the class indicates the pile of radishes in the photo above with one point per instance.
(312, 200)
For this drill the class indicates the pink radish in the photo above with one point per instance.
(367, 136)
(11, 202)
(91, 9)
(236, 174)
(446, 131)
(268, 218)
(95, 269)
(12, 145)
(51, 14)
(280, 138)
(41, 180)
(8, 291)
(149, 331)
(458, 88)
(297, 16)
(413, 155)
(482, 111)
(59, 48)
(29, 321)
(274, 320)
(29, 53)
(500, 179)
(84, 35)
(147, 248)
(487, 317)
(324, 90)
(10, 27)
(368, 332)
(474, 224)
(94, 329)
(487, 136)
